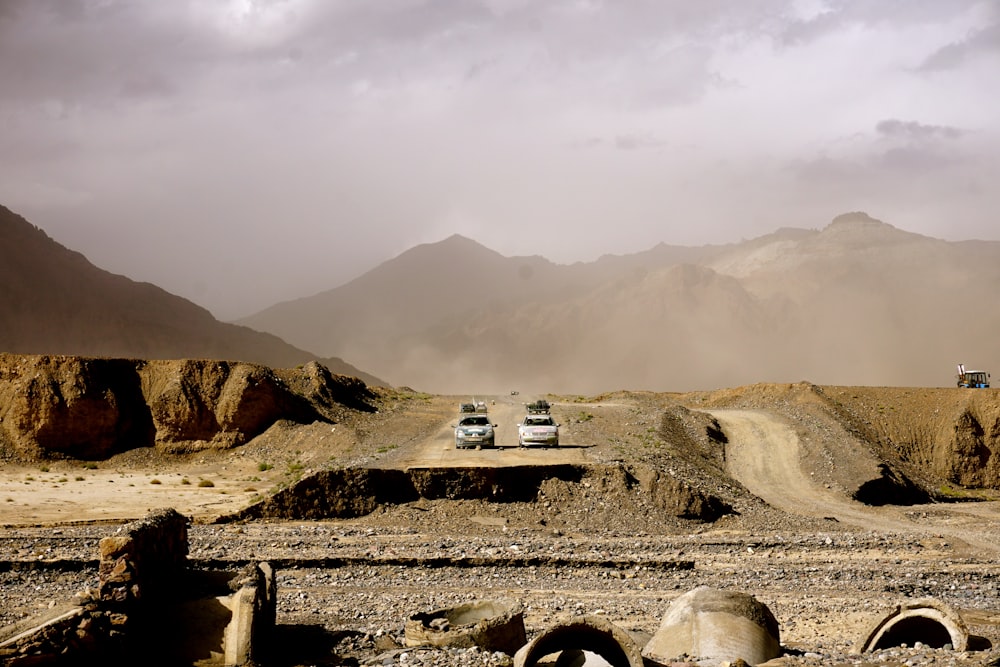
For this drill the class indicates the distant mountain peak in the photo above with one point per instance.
(453, 243)
(859, 230)
(855, 219)
(456, 238)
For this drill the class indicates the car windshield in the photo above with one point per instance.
(474, 421)
(539, 421)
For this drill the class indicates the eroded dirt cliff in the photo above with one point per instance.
(93, 408)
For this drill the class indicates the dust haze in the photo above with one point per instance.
(858, 302)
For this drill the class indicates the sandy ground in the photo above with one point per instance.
(217, 483)
(58, 493)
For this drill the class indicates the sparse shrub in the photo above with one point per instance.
(63, 479)
(264, 466)
(89, 465)
(78, 478)
(250, 489)
(155, 481)
(206, 483)
(185, 481)
(44, 468)
(29, 478)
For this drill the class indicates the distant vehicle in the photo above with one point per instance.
(538, 429)
(466, 407)
(474, 430)
(540, 407)
(481, 407)
(514, 393)
(973, 379)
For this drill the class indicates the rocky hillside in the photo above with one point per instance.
(54, 301)
(855, 302)
(90, 408)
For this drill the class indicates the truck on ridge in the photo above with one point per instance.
(973, 379)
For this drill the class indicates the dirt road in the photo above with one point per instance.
(504, 412)
(763, 453)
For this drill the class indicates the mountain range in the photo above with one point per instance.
(54, 301)
(856, 302)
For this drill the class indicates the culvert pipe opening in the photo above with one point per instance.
(909, 631)
(589, 635)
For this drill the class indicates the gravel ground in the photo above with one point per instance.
(345, 588)
(827, 589)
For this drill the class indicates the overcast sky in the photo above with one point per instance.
(241, 153)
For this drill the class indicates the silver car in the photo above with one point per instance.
(538, 429)
(474, 430)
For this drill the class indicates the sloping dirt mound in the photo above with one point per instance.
(91, 408)
(834, 452)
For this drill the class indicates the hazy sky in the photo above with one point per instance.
(241, 153)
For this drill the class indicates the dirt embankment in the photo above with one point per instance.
(883, 444)
(92, 408)
(658, 454)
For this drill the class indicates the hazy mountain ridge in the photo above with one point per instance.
(54, 301)
(856, 302)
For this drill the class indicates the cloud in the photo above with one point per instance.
(316, 137)
(633, 142)
(811, 21)
(911, 130)
(954, 54)
(897, 149)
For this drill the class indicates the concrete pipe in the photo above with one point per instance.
(587, 634)
(488, 624)
(712, 626)
(929, 621)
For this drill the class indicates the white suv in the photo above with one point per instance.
(538, 429)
